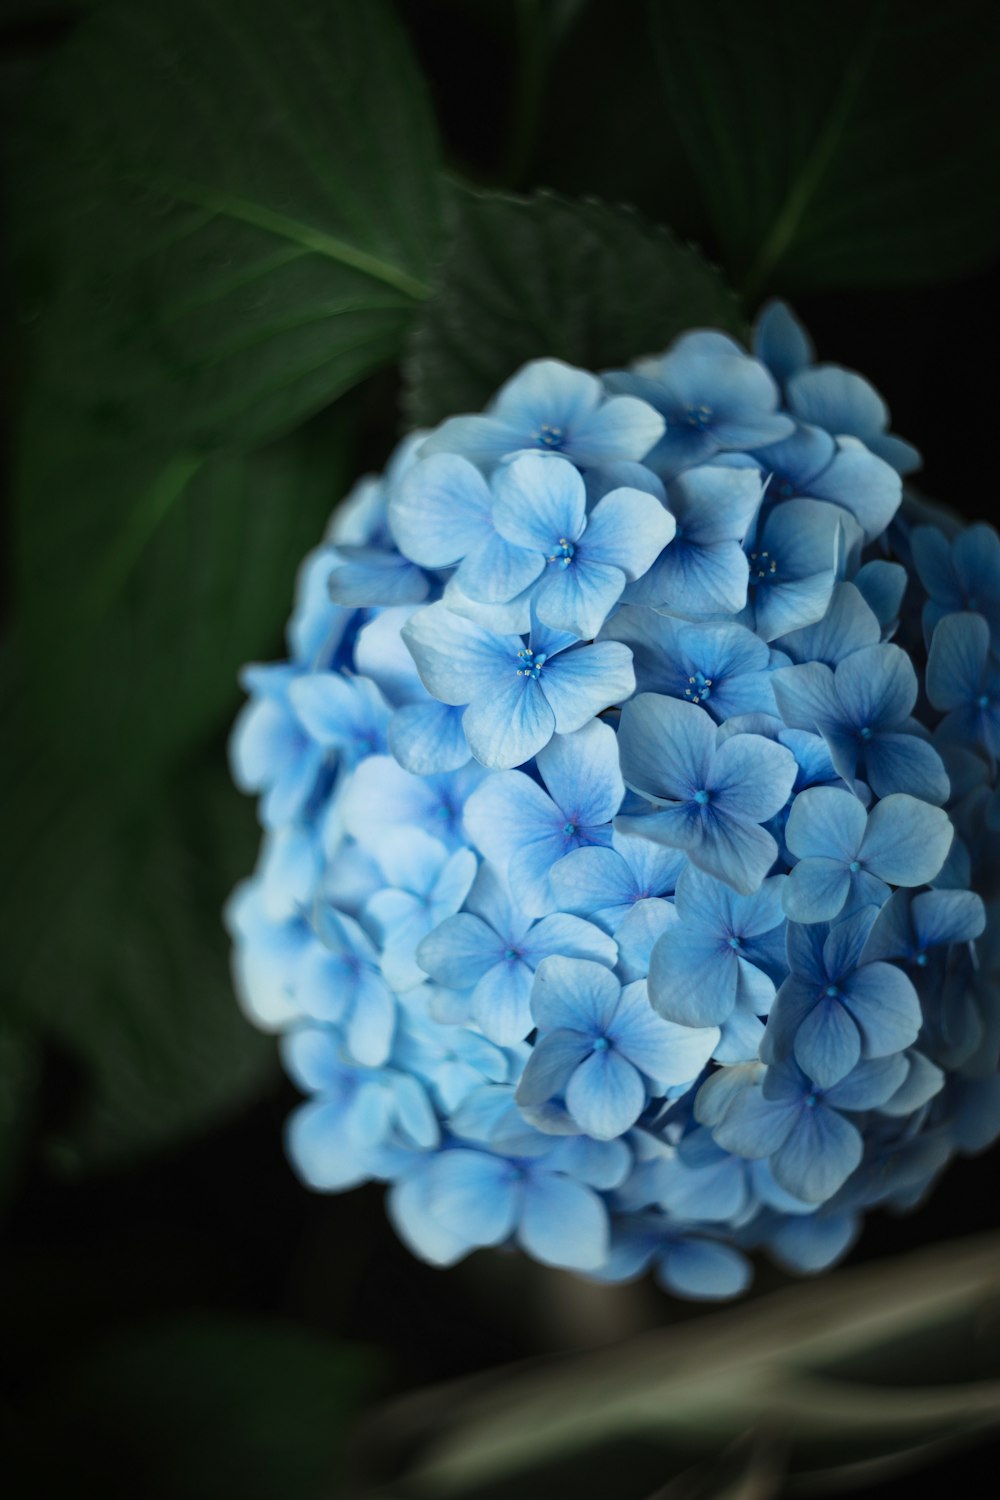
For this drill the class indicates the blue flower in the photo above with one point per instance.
(724, 953)
(606, 883)
(359, 1122)
(495, 949)
(270, 751)
(795, 560)
(586, 560)
(961, 575)
(836, 399)
(552, 407)
(341, 984)
(863, 709)
(782, 1114)
(676, 989)
(466, 1197)
(836, 1007)
(813, 465)
(442, 516)
(963, 680)
(423, 885)
(603, 1048)
(849, 857)
(711, 796)
(519, 693)
(724, 668)
(704, 570)
(342, 713)
(380, 798)
(712, 396)
(525, 830)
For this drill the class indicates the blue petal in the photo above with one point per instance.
(538, 502)
(581, 772)
(817, 889)
(472, 1195)
(582, 682)
(827, 1043)
(428, 738)
(692, 979)
(818, 1155)
(752, 777)
(580, 596)
(575, 993)
(701, 1268)
(553, 1061)
(509, 724)
(825, 821)
(906, 840)
(563, 1223)
(457, 659)
(781, 342)
(440, 510)
(605, 1095)
(666, 747)
(627, 529)
(956, 660)
(885, 1005)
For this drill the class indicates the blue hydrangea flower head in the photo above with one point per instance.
(628, 882)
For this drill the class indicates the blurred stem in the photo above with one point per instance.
(532, 43)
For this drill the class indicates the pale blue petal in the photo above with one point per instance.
(507, 726)
(627, 530)
(825, 821)
(579, 597)
(497, 572)
(460, 951)
(956, 660)
(582, 774)
(623, 428)
(605, 1095)
(906, 841)
(440, 510)
(752, 777)
(538, 502)
(457, 659)
(581, 683)
(501, 1002)
(666, 747)
(552, 1063)
(704, 1269)
(575, 993)
(885, 1005)
(569, 936)
(563, 1223)
(667, 1053)
(505, 812)
(428, 738)
(692, 978)
(816, 889)
(472, 1194)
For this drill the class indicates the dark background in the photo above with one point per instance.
(119, 1279)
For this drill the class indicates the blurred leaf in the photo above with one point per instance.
(227, 211)
(18, 1069)
(147, 578)
(112, 946)
(855, 144)
(208, 1408)
(785, 1366)
(580, 281)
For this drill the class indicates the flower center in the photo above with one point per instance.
(701, 797)
(563, 554)
(764, 566)
(551, 437)
(734, 943)
(698, 687)
(921, 960)
(531, 665)
(983, 701)
(832, 991)
(511, 954)
(601, 1044)
(811, 1101)
(569, 829)
(698, 416)
(854, 866)
(864, 733)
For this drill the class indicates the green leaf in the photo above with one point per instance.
(580, 281)
(209, 1406)
(113, 947)
(844, 145)
(788, 1367)
(148, 577)
(228, 211)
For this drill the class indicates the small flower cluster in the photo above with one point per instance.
(629, 797)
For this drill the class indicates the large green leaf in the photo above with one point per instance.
(227, 211)
(112, 947)
(147, 577)
(855, 144)
(580, 281)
